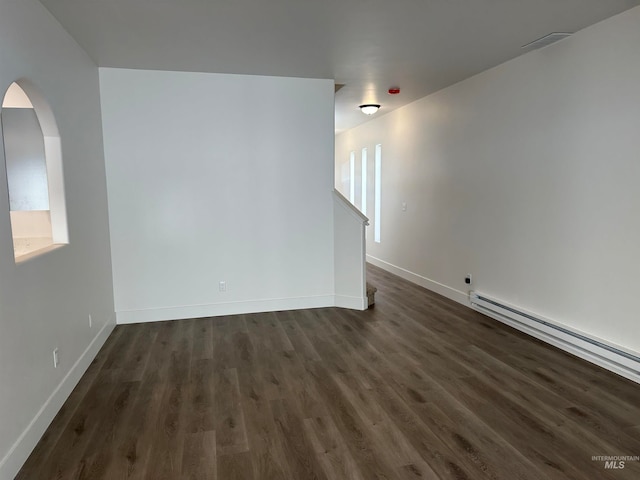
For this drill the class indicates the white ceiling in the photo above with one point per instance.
(368, 45)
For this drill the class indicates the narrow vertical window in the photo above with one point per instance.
(378, 190)
(364, 181)
(352, 177)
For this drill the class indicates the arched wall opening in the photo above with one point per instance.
(33, 161)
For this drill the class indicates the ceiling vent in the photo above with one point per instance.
(544, 41)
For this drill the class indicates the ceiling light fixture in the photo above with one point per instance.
(369, 108)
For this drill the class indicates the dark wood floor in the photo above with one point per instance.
(418, 387)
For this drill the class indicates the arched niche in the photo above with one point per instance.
(33, 161)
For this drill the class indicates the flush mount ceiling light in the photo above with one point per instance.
(369, 108)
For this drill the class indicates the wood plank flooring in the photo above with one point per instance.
(417, 388)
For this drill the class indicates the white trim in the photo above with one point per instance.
(586, 347)
(363, 273)
(352, 303)
(444, 290)
(228, 308)
(363, 221)
(55, 178)
(350, 207)
(11, 464)
(604, 358)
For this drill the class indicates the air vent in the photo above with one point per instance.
(546, 40)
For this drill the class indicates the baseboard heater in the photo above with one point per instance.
(595, 351)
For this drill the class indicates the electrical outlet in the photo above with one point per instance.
(56, 359)
(404, 206)
(222, 286)
(90, 322)
(467, 279)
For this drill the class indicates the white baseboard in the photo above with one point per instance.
(219, 309)
(353, 303)
(11, 464)
(444, 290)
(614, 358)
(588, 351)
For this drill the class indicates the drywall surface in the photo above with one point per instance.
(24, 158)
(218, 178)
(350, 254)
(15, 97)
(45, 302)
(525, 176)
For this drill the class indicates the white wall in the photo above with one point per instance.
(45, 302)
(218, 178)
(24, 159)
(15, 97)
(350, 254)
(526, 176)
